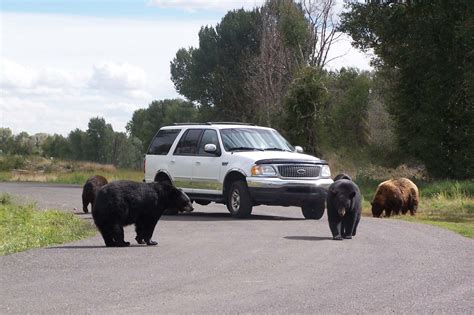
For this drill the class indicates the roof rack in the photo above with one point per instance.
(214, 123)
(184, 124)
(229, 123)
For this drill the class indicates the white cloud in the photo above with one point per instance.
(24, 80)
(117, 76)
(206, 5)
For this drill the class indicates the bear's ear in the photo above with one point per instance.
(332, 191)
(352, 194)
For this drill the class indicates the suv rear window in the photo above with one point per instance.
(188, 143)
(163, 141)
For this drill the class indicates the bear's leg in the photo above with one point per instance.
(348, 223)
(107, 235)
(85, 203)
(148, 232)
(356, 224)
(119, 236)
(388, 212)
(139, 228)
(336, 229)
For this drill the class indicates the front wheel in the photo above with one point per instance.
(313, 212)
(239, 202)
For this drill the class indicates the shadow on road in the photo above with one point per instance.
(308, 238)
(94, 246)
(207, 216)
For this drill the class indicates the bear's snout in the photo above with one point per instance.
(341, 211)
(188, 208)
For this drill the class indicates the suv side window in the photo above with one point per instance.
(209, 137)
(163, 141)
(189, 142)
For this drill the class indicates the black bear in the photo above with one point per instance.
(124, 202)
(344, 207)
(90, 190)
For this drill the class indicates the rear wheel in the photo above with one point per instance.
(314, 211)
(239, 202)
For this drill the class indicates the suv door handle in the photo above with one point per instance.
(172, 161)
(198, 163)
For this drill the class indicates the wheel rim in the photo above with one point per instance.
(235, 200)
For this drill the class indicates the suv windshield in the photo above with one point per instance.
(254, 139)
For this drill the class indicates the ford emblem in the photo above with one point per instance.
(301, 171)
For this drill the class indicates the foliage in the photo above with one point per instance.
(426, 49)
(213, 74)
(23, 227)
(305, 105)
(348, 111)
(145, 122)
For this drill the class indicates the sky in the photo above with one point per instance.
(63, 62)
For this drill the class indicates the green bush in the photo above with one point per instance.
(9, 162)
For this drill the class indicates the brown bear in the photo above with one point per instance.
(90, 190)
(395, 195)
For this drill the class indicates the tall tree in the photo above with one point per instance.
(305, 105)
(427, 47)
(213, 74)
(99, 139)
(284, 33)
(145, 122)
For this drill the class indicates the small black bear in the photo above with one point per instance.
(90, 190)
(123, 203)
(344, 207)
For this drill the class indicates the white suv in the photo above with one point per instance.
(240, 165)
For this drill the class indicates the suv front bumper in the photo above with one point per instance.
(287, 192)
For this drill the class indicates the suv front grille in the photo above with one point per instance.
(299, 170)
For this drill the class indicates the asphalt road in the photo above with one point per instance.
(273, 262)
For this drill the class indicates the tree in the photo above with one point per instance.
(305, 105)
(213, 75)
(146, 122)
(56, 146)
(426, 48)
(99, 139)
(6, 140)
(126, 151)
(349, 94)
(283, 32)
(77, 144)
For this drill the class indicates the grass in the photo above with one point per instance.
(23, 227)
(447, 204)
(76, 177)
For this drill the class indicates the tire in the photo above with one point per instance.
(313, 212)
(238, 200)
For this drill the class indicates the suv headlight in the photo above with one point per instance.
(263, 170)
(325, 171)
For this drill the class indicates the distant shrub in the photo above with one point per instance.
(9, 162)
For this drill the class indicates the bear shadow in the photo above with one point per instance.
(93, 246)
(308, 238)
(220, 216)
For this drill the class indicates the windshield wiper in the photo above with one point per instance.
(245, 149)
(276, 149)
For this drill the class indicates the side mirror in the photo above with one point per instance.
(299, 149)
(210, 148)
